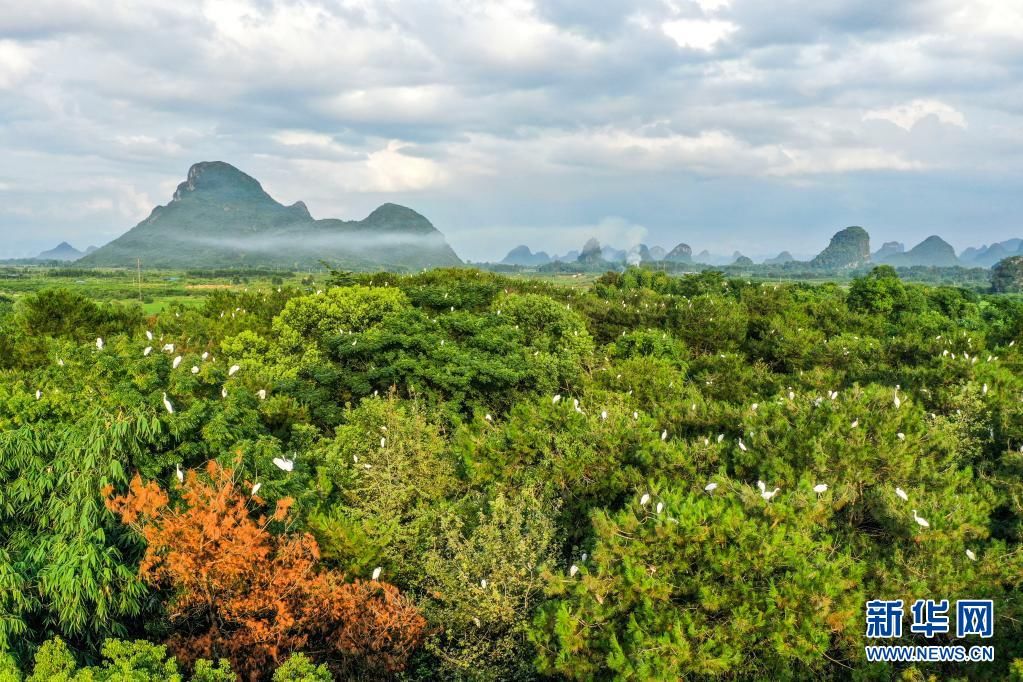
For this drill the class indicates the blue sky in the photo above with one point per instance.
(725, 124)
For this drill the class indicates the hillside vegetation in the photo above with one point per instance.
(457, 475)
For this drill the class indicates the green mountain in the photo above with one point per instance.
(521, 255)
(849, 248)
(780, 259)
(933, 251)
(61, 252)
(221, 217)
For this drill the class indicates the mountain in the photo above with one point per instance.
(657, 253)
(780, 259)
(887, 250)
(221, 217)
(987, 256)
(682, 253)
(591, 253)
(613, 255)
(849, 248)
(570, 257)
(743, 261)
(521, 255)
(932, 252)
(91, 249)
(61, 252)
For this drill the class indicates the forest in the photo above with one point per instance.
(461, 475)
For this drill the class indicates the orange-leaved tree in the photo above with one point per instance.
(241, 592)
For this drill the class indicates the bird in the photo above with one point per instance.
(167, 404)
(177, 361)
(603, 414)
(147, 350)
(255, 488)
(223, 392)
(168, 348)
(983, 390)
(721, 437)
(660, 507)
(970, 555)
(820, 488)
(284, 464)
(39, 395)
(645, 499)
(262, 394)
(376, 573)
(231, 372)
(710, 487)
(664, 434)
(902, 494)
(742, 446)
(555, 399)
(60, 362)
(897, 401)
(205, 355)
(921, 520)
(179, 473)
(383, 441)
(149, 335)
(195, 370)
(488, 417)
(900, 435)
(856, 422)
(573, 569)
(768, 494)
(99, 344)
(483, 583)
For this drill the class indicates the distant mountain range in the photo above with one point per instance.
(849, 248)
(221, 217)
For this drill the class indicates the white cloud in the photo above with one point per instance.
(15, 63)
(698, 34)
(907, 115)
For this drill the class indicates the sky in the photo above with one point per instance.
(725, 124)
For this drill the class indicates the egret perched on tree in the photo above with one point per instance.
(710, 487)
(970, 555)
(483, 583)
(556, 398)
(900, 435)
(195, 370)
(255, 488)
(179, 473)
(177, 361)
(603, 414)
(149, 335)
(573, 569)
(231, 372)
(820, 489)
(644, 500)
(897, 401)
(168, 348)
(39, 395)
(855, 423)
(167, 404)
(376, 573)
(205, 355)
(902, 494)
(721, 437)
(660, 507)
(920, 520)
(765, 493)
(147, 350)
(383, 441)
(284, 464)
(223, 392)
(742, 446)
(262, 394)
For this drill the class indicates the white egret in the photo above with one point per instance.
(660, 507)
(920, 520)
(820, 488)
(742, 446)
(573, 569)
(255, 488)
(383, 441)
(645, 499)
(284, 464)
(177, 361)
(970, 555)
(262, 394)
(983, 390)
(902, 494)
(205, 355)
(234, 369)
(664, 434)
(39, 395)
(897, 401)
(603, 414)
(483, 583)
(223, 392)
(721, 437)
(768, 494)
(900, 435)
(488, 417)
(149, 335)
(147, 350)
(195, 370)
(179, 473)
(167, 404)
(556, 398)
(710, 487)
(856, 422)
(99, 344)
(376, 573)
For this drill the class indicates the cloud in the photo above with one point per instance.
(698, 34)
(907, 115)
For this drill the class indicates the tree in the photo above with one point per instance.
(245, 594)
(1007, 275)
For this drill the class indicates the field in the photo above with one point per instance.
(465, 475)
